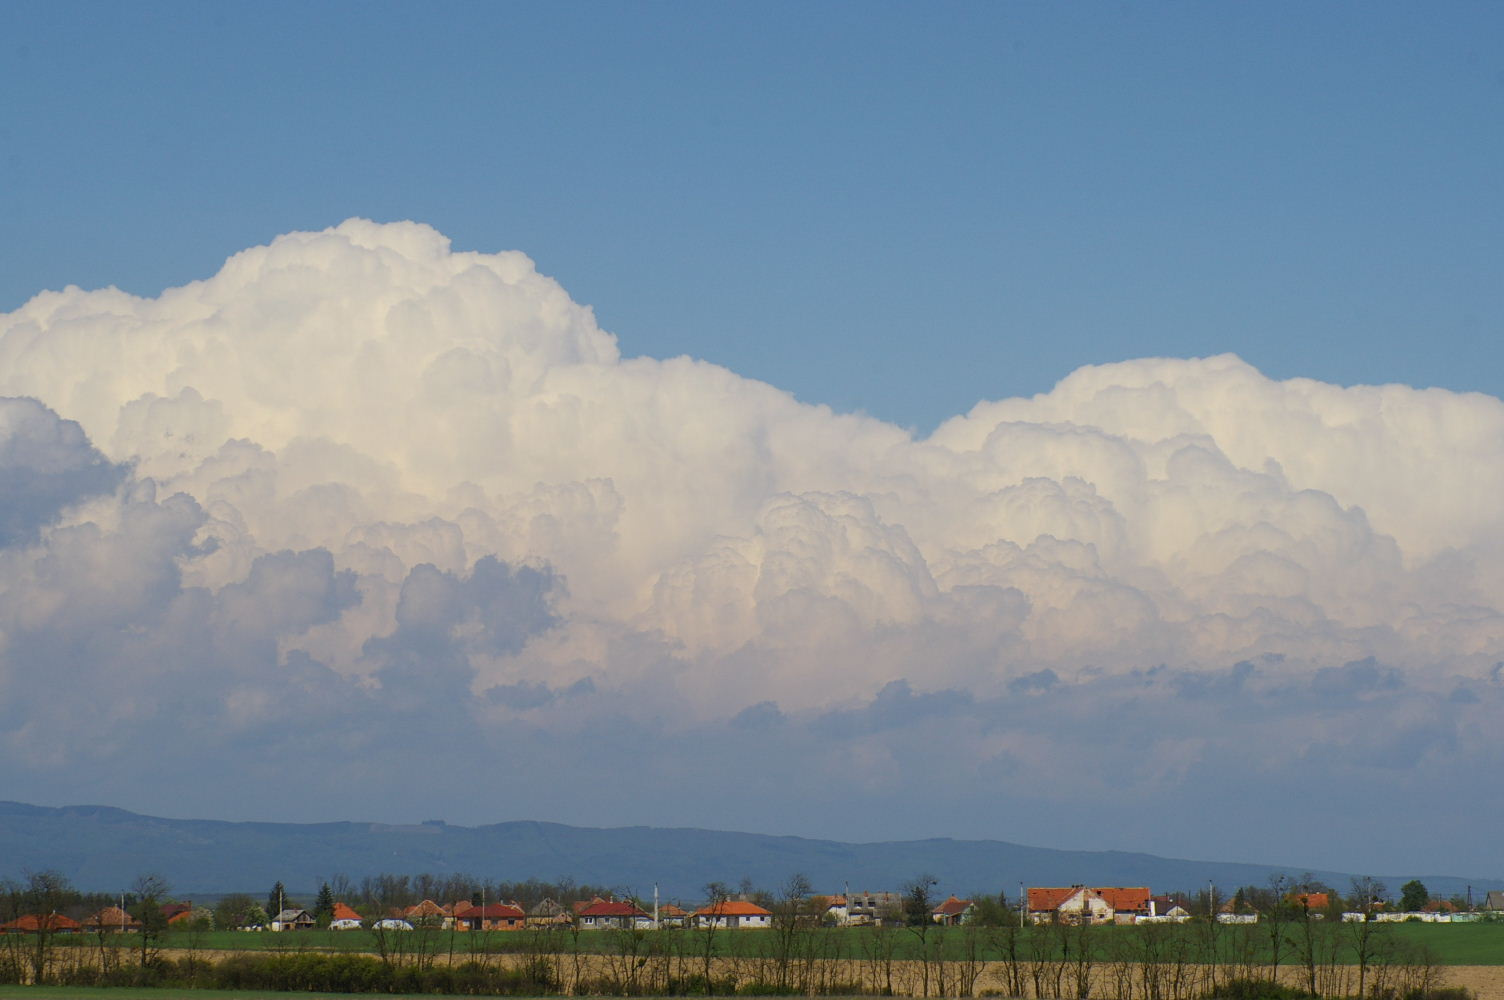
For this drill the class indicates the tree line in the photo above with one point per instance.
(999, 951)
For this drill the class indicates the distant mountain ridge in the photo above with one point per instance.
(103, 848)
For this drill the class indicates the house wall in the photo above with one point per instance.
(1085, 904)
(735, 921)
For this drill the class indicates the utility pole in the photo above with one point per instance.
(1023, 905)
(656, 925)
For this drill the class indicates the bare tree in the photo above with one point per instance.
(716, 894)
(1274, 919)
(44, 895)
(149, 890)
(1363, 935)
(918, 903)
(791, 924)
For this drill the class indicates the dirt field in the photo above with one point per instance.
(1487, 981)
(1108, 981)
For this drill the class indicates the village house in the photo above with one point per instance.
(429, 914)
(733, 914)
(671, 915)
(600, 914)
(1236, 911)
(34, 923)
(1311, 901)
(344, 918)
(951, 912)
(1097, 905)
(1163, 910)
(189, 914)
(293, 920)
(547, 913)
(491, 917)
(111, 918)
(859, 909)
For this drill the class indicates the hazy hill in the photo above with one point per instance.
(102, 848)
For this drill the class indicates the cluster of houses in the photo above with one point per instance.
(592, 914)
(111, 918)
(853, 910)
(1074, 904)
(1137, 905)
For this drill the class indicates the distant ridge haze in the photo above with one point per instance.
(104, 848)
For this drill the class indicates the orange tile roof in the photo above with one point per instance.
(1313, 900)
(1123, 899)
(33, 922)
(343, 912)
(733, 908)
(1126, 899)
(952, 907)
(1050, 898)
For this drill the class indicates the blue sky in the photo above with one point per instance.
(970, 430)
(895, 208)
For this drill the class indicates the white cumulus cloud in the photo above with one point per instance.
(359, 470)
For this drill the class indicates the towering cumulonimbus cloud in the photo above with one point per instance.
(357, 481)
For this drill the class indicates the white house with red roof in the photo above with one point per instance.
(344, 918)
(599, 914)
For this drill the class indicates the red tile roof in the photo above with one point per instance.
(491, 911)
(343, 912)
(606, 908)
(1312, 900)
(952, 907)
